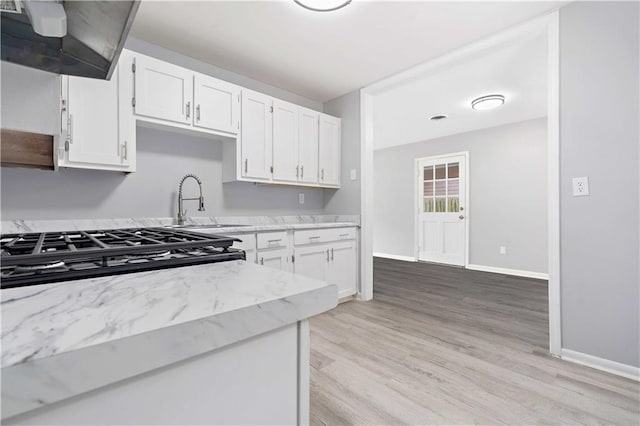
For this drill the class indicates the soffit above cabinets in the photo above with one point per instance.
(324, 55)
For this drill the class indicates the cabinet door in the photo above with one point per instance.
(217, 104)
(277, 259)
(285, 141)
(92, 126)
(163, 91)
(256, 135)
(329, 140)
(308, 145)
(342, 268)
(312, 261)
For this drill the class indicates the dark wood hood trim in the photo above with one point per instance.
(26, 149)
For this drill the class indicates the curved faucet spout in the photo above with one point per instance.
(183, 213)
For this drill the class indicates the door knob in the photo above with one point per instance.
(461, 217)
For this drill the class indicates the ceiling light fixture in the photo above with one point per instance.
(439, 117)
(322, 5)
(487, 102)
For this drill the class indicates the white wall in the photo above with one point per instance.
(599, 138)
(508, 196)
(30, 102)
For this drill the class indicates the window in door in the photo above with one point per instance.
(441, 188)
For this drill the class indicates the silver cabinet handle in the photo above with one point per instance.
(343, 235)
(297, 170)
(327, 255)
(314, 238)
(246, 166)
(332, 255)
(322, 174)
(301, 172)
(198, 112)
(124, 150)
(70, 128)
(274, 241)
(188, 109)
(262, 260)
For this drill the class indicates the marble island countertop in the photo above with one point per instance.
(63, 339)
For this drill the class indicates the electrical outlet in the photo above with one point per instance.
(301, 198)
(354, 174)
(580, 186)
(503, 250)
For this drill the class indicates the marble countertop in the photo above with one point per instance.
(252, 223)
(64, 339)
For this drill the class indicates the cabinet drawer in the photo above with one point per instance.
(248, 241)
(314, 236)
(272, 239)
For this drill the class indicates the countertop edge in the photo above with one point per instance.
(38, 383)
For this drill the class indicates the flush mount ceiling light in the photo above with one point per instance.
(322, 5)
(487, 102)
(438, 117)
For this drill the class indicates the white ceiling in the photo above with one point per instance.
(517, 70)
(323, 55)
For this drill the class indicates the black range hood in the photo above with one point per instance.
(96, 33)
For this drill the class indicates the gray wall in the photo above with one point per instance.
(507, 187)
(29, 102)
(600, 298)
(151, 191)
(347, 199)
(30, 99)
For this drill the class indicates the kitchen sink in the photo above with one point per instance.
(212, 226)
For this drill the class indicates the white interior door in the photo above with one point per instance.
(442, 214)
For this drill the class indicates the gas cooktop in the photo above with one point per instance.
(37, 258)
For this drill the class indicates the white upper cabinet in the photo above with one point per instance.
(92, 135)
(285, 141)
(256, 135)
(217, 104)
(329, 150)
(163, 91)
(308, 145)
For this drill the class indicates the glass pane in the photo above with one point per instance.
(428, 205)
(453, 204)
(453, 186)
(441, 205)
(454, 170)
(428, 189)
(428, 173)
(440, 171)
(441, 188)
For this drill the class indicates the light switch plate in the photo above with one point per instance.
(354, 174)
(301, 198)
(580, 186)
(503, 250)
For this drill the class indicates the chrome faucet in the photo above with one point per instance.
(183, 213)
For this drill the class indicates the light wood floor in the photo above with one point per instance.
(441, 345)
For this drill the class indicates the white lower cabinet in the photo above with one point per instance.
(319, 255)
(312, 261)
(342, 268)
(276, 258)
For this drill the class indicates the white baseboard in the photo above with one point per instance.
(395, 257)
(506, 271)
(613, 367)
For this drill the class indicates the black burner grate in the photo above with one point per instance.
(36, 258)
